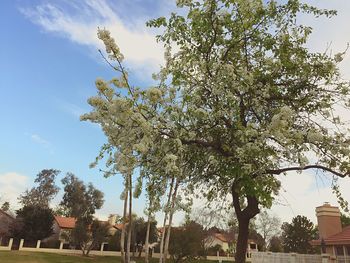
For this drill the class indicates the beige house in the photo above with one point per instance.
(333, 239)
(62, 226)
(228, 243)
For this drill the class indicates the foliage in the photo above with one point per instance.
(275, 244)
(297, 235)
(240, 100)
(87, 236)
(114, 242)
(33, 223)
(345, 220)
(138, 233)
(5, 206)
(186, 242)
(42, 194)
(79, 200)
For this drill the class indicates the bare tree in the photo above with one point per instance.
(268, 226)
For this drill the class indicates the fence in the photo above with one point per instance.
(9, 245)
(269, 257)
(101, 252)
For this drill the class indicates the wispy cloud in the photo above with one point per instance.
(78, 21)
(43, 142)
(36, 138)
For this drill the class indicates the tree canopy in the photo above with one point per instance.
(296, 236)
(46, 190)
(33, 223)
(240, 100)
(79, 200)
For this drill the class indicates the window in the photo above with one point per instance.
(253, 246)
(347, 248)
(339, 251)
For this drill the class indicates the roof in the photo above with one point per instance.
(224, 237)
(69, 222)
(65, 222)
(341, 238)
(7, 214)
(119, 226)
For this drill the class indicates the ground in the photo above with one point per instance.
(32, 257)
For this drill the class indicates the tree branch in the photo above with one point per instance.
(302, 168)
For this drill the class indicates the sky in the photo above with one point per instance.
(49, 62)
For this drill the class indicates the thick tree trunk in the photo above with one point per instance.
(166, 247)
(130, 220)
(147, 239)
(122, 236)
(164, 221)
(242, 241)
(243, 216)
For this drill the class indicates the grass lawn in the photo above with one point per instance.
(35, 257)
(32, 257)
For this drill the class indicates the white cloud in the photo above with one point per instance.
(80, 26)
(12, 184)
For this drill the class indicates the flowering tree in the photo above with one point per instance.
(240, 101)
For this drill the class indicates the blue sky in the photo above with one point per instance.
(48, 66)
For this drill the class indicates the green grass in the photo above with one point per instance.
(32, 257)
(35, 257)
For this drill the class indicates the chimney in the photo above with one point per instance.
(111, 219)
(328, 219)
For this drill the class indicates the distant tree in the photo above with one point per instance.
(5, 206)
(275, 244)
(114, 241)
(81, 202)
(186, 242)
(297, 235)
(139, 231)
(33, 223)
(88, 236)
(268, 226)
(61, 211)
(345, 220)
(42, 194)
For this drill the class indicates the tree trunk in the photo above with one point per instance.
(122, 236)
(165, 219)
(147, 239)
(242, 241)
(130, 220)
(243, 216)
(166, 247)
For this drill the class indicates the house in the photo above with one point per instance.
(333, 239)
(227, 242)
(6, 220)
(62, 226)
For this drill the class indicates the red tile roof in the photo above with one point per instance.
(65, 222)
(224, 237)
(342, 238)
(69, 222)
(119, 226)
